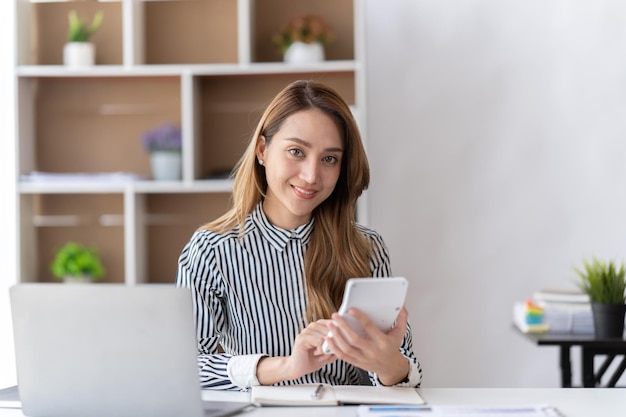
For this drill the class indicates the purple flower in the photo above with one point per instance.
(167, 137)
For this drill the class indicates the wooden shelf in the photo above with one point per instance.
(45, 71)
(208, 65)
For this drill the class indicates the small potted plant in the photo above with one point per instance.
(303, 38)
(77, 263)
(164, 143)
(605, 284)
(78, 51)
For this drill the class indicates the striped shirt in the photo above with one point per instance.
(249, 298)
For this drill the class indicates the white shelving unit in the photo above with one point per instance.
(90, 120)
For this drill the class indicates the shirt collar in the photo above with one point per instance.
(275, 235)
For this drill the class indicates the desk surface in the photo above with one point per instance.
(572, 402)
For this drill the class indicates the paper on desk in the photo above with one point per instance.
(10, 398)
(457, 411)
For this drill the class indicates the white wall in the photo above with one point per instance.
(8, 205)
(497, 140)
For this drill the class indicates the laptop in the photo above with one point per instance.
(108, 350)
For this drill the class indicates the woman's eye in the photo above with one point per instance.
(296, 152)
(330, 159)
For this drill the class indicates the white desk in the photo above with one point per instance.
(572, 402)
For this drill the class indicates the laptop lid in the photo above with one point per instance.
(106, 350)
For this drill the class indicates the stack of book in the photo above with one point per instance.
(530, 318)
(564, 311)
(567, 311)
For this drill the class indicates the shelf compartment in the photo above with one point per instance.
(51, 220)
(49, 26)
(271, 15)
(231, 107)
(169, 222)
(190, 32)
(93, 125)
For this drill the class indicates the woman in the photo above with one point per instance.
(268, 276)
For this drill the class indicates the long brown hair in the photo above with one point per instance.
(337, 250)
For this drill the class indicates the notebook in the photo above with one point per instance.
(323, 394)
(108, 350)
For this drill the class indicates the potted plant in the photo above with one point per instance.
(78, 51)
(605, 284)
(303, 38)
(77, 263)
(164, 144)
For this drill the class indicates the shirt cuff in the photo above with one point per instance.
(242, 370)
(413, 379)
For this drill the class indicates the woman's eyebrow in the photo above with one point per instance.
(309, 145)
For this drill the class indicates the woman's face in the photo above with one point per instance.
(302, 165)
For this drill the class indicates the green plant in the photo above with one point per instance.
(306, 28)
(78, 31)
(603, 282)
(76, 260)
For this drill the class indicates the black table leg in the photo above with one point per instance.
(566, 367)
(587, 367)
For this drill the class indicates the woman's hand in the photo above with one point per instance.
(306, 356)
(375, 351)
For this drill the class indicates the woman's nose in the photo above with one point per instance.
(310, 171)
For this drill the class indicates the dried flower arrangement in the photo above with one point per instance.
(167, 137)
(306, 29)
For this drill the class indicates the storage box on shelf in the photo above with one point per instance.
(208, 65)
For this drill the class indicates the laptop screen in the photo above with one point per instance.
(105, 350)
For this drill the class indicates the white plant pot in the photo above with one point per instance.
(166, 165)
(79, 54)
(304, 53)
(81, 279)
